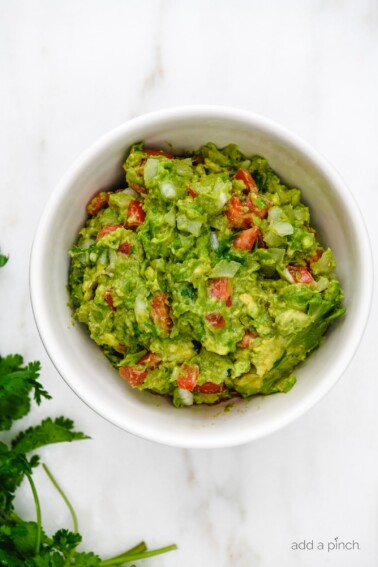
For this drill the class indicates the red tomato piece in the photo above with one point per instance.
(150, 359)
(247, 340)
(238, 215)
(158, 153)
(134, 376)
(125, 248)
(216, 320)
(221, 289)
(98, 202)
(246, 239)
(300, 274)
(188, 377)
(192, 193)
(107, 230)
(108, 296)
(210, 388)
(246, 177)
(135, 214)
(258, 208)
(137, 188)
(160, 312)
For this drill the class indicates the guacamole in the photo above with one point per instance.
(203, 278)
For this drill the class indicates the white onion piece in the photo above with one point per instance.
(283, 228)
(140, 309)
(287, 275)
(214, 242)
(186, 397)
(129, 191)
(277, 253)
(168, 190)
(225, 269)
(274, 214)
(170, 218)
(150, 168)
(87, 243)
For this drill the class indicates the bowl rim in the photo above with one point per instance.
(272, 128)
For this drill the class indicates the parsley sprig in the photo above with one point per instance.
(24, 543)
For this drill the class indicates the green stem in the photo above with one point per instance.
(38, 511)
(128, 557)
(60, 490)
(139, 548)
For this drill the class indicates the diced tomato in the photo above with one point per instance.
(216, 320)
(134, 376)
(150, 359)
(125, 248)
(246, 177)
(98, 202)
(188, 377)
(238, 215)
(221, 289)
(246, 239)
(137, 188)
(107, 230)
(108, 296)
(192, 193)
(160, 312)
(135, 214)
(316, 256)
(300, 274)
(258, 205)
(158, 153)
(247, 340)
(210, 388)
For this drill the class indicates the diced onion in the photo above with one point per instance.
(192, 226)
(170, 218)
(214, 242)
(221, 192)
(283, 228)
(274, 214)
(103, 258)
(322, 283)
(225, 269)
(186, 397)
(140, 309)
(112, 257)
(87, 243)
(277, 253)
(150, 168)
(287, 275)
(129, 191)
(168, 190)
(184, 169)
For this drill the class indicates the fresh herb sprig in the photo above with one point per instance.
(24, 543)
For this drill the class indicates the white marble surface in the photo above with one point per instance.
(70, 71)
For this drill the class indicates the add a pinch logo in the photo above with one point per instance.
(332, 545)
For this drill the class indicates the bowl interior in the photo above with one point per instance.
(80, 361)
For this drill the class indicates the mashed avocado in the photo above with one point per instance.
(203, 279)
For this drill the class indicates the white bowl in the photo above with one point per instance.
(79, 360)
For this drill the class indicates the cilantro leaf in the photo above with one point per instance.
(66, 541)
(3, 260)
(47, 432)
(13, 468)
(16, 384)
